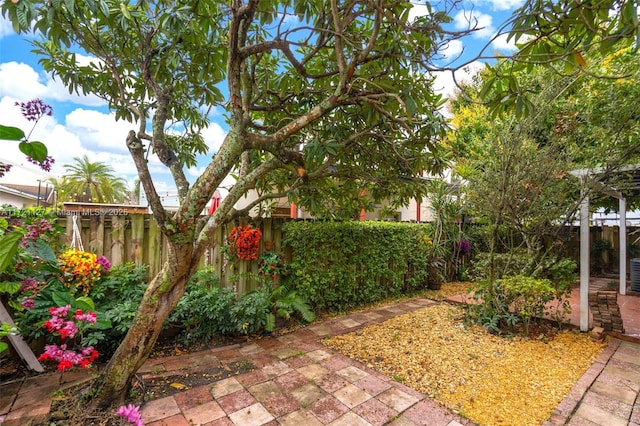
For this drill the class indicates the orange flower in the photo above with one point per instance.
(246, 240)
(80, 269)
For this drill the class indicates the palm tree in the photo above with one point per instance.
(92, 182)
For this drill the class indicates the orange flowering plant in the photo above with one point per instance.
(81, 269)
(244, 242)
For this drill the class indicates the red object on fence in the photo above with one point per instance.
(294, 211)
(215, 202)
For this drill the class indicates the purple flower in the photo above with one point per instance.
(463, 247)
(28, 284)
(44, 165)
(34, 109)
(131, 413)
(35, 230)
(104, 262)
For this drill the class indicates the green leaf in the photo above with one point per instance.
(42, 250)
(411, 104)
(85, 303)
(9, 248)
(270, 322)
(62, 299)
(125, 10)
(102, 323)
(11, 133)
(35, 150)
(3, 347)
(10, 287)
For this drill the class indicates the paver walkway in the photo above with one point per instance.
(298, 381)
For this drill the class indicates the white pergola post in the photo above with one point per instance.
(623, 245)
(584, 264)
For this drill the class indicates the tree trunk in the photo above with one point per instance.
(161, 297)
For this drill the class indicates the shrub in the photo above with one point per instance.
(204, 311)
(341, 265)
(505, 264)
(250, 312)
(518, 299)
(117, 296)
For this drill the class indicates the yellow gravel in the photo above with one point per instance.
(488, 379)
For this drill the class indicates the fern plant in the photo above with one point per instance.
(284, 303)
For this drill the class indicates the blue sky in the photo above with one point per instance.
(82, 125)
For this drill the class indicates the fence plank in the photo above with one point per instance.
(117, 240)
(137, 239)
(154, 247)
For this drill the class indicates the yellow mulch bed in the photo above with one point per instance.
(488, 379)
(448, 290)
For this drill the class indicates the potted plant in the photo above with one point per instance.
(272, 265)
(244, 242)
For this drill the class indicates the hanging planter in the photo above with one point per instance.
(244, 242)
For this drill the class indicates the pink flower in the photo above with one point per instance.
(104, 262)
(131, 413)
(28, 302)
(59, 324)
(69, 330)
(89, 317)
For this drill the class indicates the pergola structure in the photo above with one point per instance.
(594, 177)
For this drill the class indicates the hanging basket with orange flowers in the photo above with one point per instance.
(245, 242)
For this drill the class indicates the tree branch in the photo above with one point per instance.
(134, 144)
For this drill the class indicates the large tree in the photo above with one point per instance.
(322, 99)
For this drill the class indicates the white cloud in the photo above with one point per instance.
(501, 44)
(5, 27)
(445, 83)
(481, 23)
(99, 131)
(22, 82)
(214, 136)
(504, 4)
(89, 133)
(452, 49)
(417, 10)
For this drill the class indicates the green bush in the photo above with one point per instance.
(518, 300)
(204, 311)
(341, 265)
(250, 312)
(117, 297)
(505, 264)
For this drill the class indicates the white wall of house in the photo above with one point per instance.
(16, 200)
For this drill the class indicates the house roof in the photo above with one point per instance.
(28, 191)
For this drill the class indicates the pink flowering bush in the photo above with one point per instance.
(67, 328)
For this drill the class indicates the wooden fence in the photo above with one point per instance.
(137, 238)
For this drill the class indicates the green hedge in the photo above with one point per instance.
(342, 265)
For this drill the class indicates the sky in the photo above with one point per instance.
(83, 125)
